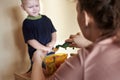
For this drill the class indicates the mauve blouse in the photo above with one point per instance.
(102, 63)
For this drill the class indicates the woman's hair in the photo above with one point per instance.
(117, 17)
(103, 12)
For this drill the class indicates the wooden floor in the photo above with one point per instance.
(21, 77)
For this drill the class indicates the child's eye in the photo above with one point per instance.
(37, 5)
(30, 6)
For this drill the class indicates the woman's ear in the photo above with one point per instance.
(87, 18)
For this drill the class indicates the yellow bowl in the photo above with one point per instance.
(52, 62)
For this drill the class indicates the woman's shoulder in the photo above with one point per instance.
(109, 45)
(109, 42)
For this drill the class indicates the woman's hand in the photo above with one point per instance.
(38, 56)
(37, 70)
(71, 40)
(78, 41)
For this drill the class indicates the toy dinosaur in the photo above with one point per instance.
(65, 45)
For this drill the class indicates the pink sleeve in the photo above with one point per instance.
(72, 68)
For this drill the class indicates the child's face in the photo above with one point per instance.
(31, 7)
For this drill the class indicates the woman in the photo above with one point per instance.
(99, 60)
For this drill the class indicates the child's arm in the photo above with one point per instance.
(35, 44)
(53, 41)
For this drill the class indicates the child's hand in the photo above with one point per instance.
(47, 49)
(50, 44)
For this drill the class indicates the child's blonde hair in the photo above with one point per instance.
(24, 1)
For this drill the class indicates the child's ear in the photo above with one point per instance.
(22, 7)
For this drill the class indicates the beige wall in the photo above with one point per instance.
(13, 55)
(63, 15)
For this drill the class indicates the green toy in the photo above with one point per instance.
(65, 45)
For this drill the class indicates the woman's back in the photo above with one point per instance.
(104, 61)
